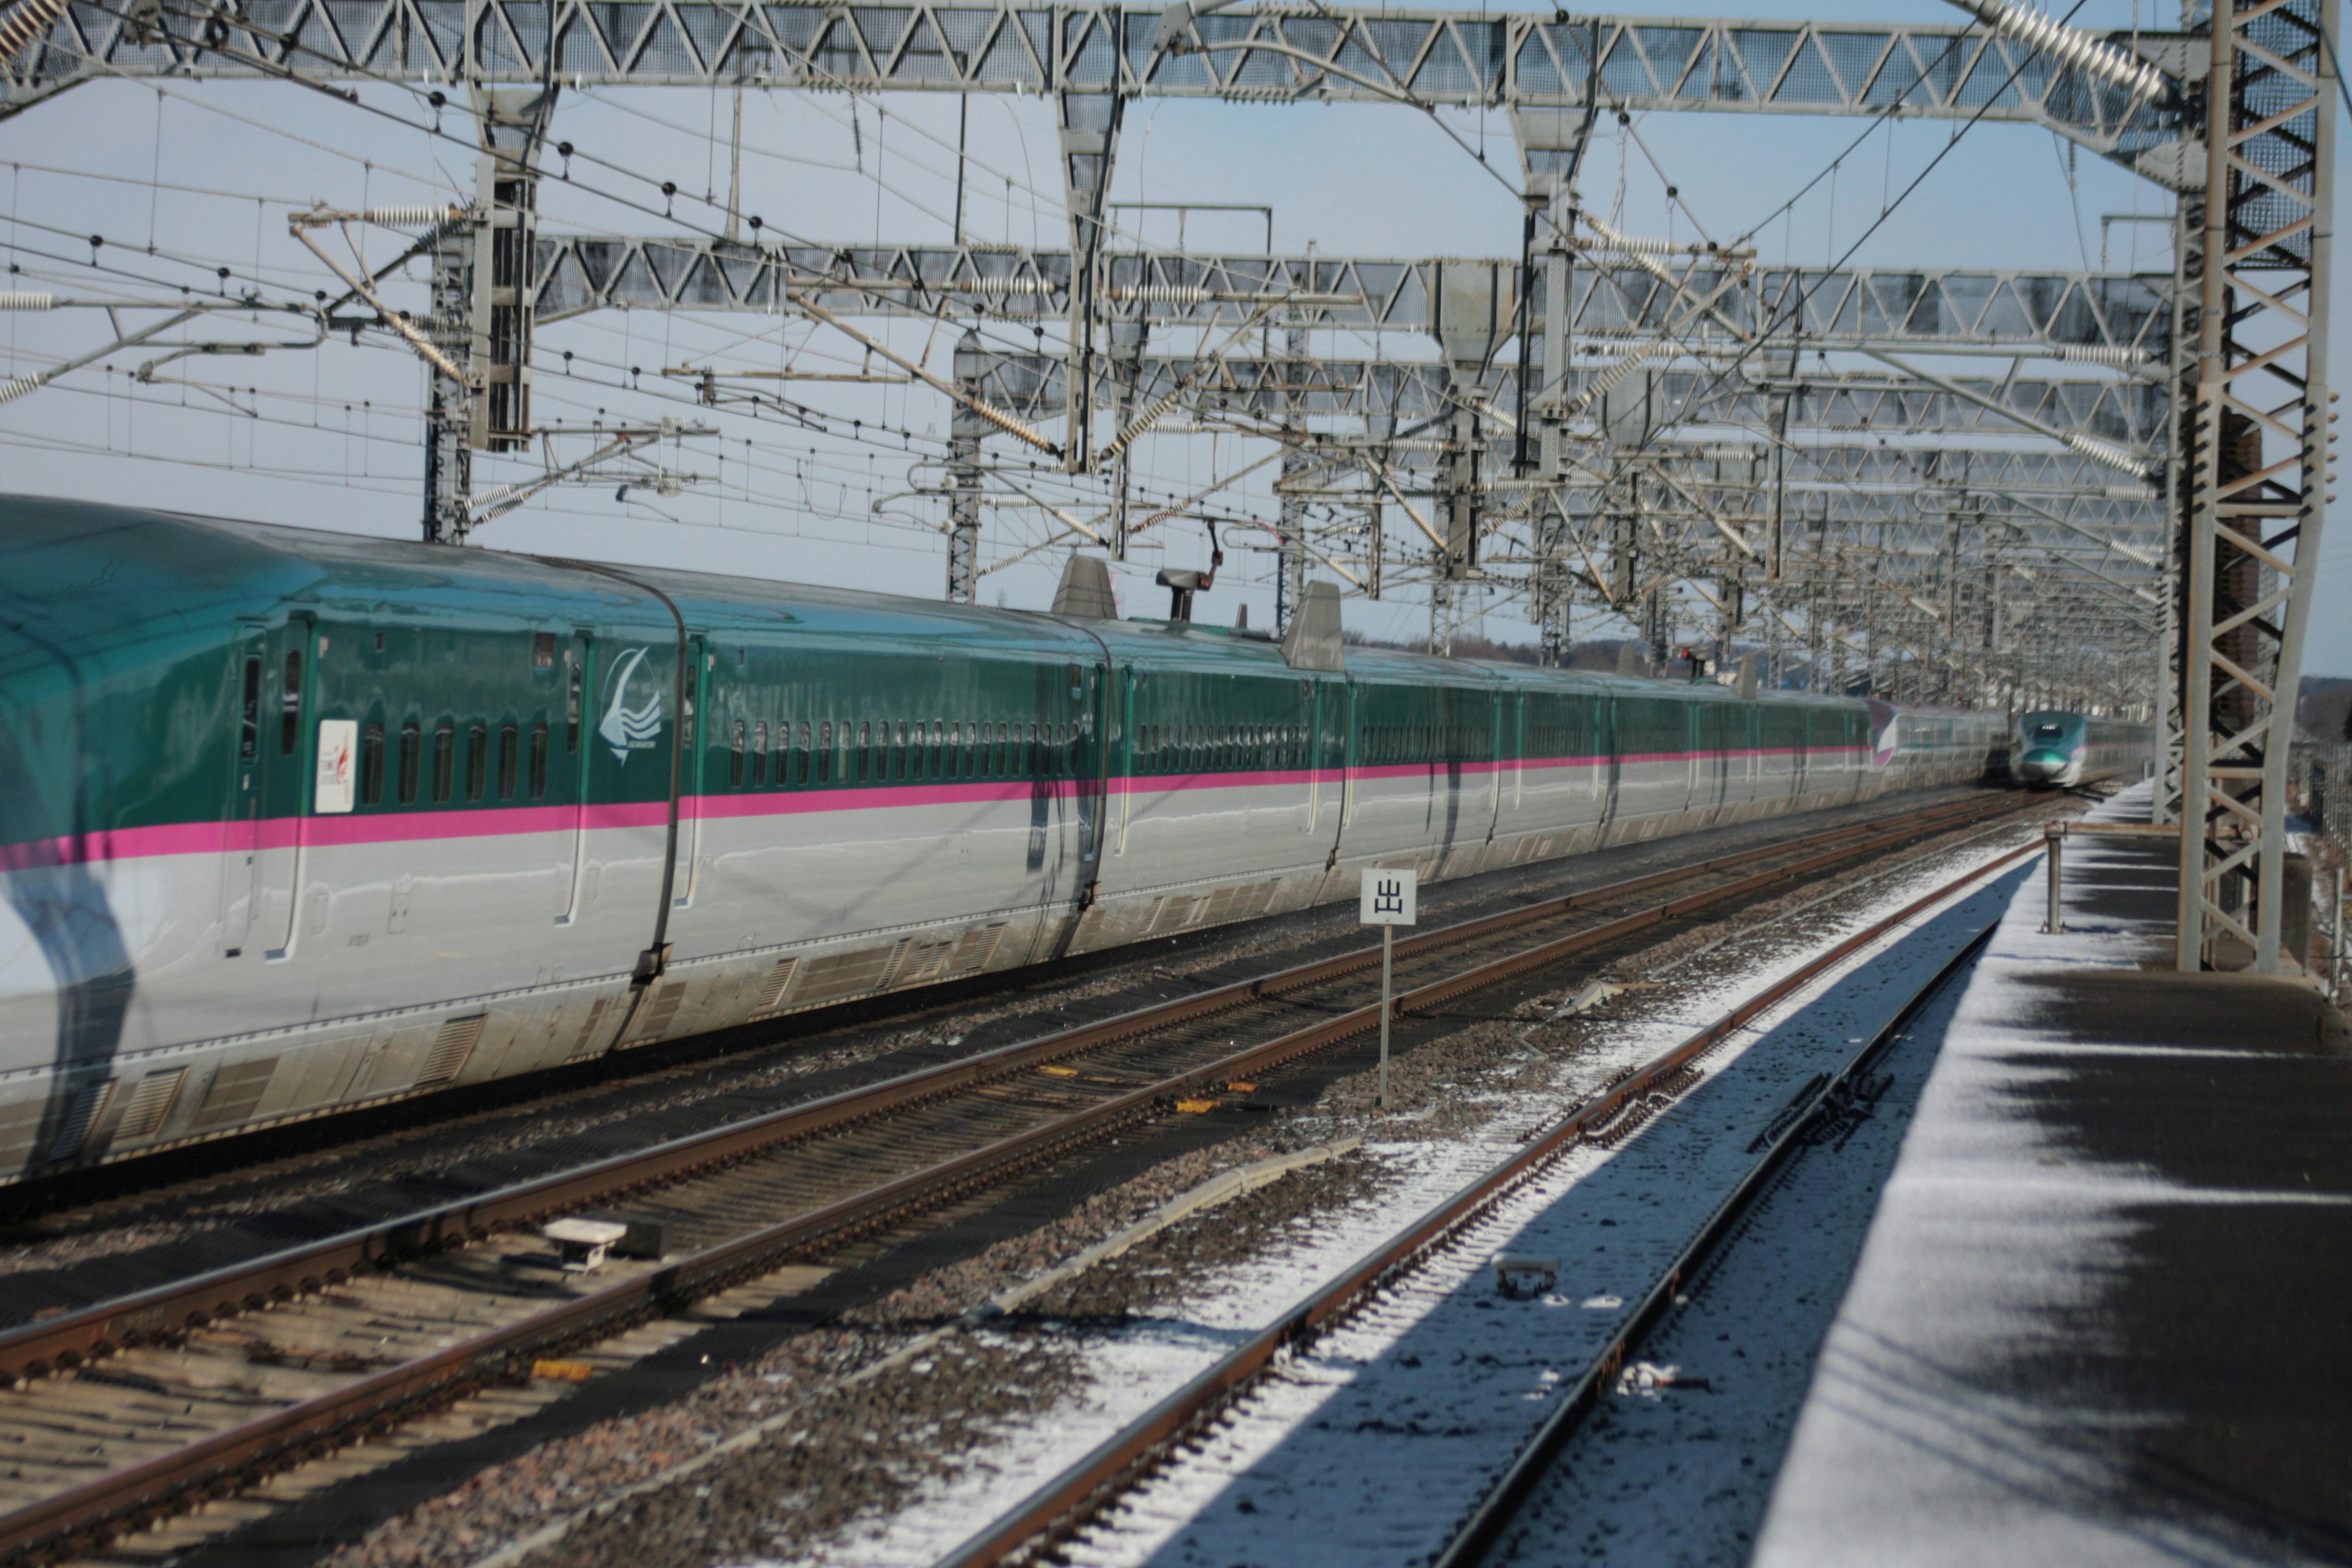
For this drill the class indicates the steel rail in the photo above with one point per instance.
(1482, 1529)
(1065, 1504)
(69, 1338)
(150, 1488)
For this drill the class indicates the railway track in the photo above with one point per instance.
(1086, 1489)
(128, 1409)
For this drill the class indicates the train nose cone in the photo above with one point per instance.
(2041, 766)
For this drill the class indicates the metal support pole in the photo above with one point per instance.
(484, 310)
(2052, 838)
(2337, 942)
(1290, 570)
(1127, 338)
(1088, 143)
(965, 431)
(2254, 504)
(448, 459)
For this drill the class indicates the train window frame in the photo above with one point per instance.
(249, 735)
(735, 742)
(412, 749)
(509, 758)
(803, 751)
(865, 751)
(290, 706)
(759, 754)
(571, 702)
(898, 751)
(477, 759)
(538, 748)
(825, 753)
(445, 761)
(371, 762)
(958, 757)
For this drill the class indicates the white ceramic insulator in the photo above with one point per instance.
(17, 386)
(1162, 294)
(409, 217)
(2106, 452)
(28, 299)
(2113, 357)
(2073, 46)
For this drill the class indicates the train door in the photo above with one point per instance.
(568, 767)
(1124, 751)
(1502, 717)
(1088, 751)
(260, 847)
(689, 873)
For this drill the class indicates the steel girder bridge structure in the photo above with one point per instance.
(1657, 443)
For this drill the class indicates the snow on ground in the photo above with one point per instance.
(1366, 1450)
(1681, 1475)
(1990, 1245)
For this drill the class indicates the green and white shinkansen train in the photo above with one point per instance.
(296, 822)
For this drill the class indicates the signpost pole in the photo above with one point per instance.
(1387, 952)
(1391, 899)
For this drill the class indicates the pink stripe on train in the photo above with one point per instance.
(108, 845)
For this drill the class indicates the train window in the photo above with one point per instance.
(758, 755)
(572, 709)
(372, 764)
(956, 754)
(248, 738)
(445, 759)
(898, 752)
(290, 706)
(801, 770)
(1002, 753)
(477, 758)
(411, 746)
(735, 757)
(914, 744)
(539, 760)
(825, 753)
(510, 753)
(542, 650)
(865, 751)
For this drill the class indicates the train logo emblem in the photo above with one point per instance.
(627, 729)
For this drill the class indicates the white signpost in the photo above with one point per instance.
(1390, 899)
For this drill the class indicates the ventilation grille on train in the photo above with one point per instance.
(590, 1031)
(839, 974)
(81, 1114)
(451, 1046)
(1241, 901)
(150, 1103)
(234, 1090)
(656, 1018)
(771, 991)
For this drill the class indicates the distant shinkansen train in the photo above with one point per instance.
(298, 822)
(2056, 750)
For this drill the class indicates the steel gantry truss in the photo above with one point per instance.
(2257, 460)
(1680, 438)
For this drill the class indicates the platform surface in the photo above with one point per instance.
(2105, 1311)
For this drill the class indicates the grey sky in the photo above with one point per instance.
(1350, 179)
